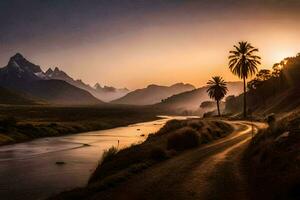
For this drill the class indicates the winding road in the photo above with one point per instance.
(212, 171)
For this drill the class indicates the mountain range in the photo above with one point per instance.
(23, 82)
(153, 94)
(20, 75)
(105, 93)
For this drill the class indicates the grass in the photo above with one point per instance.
(21, 123)
(109, 154)
(120, 166)
(272, 160)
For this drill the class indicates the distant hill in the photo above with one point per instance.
(105, 93)
(153, 94)
(26, 77)
(14, 98)
(191, 100)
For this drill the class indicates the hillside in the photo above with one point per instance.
(191, 100)
(272, 160)
(25, 77)
(153, 94)
(60, 92)
(271, 92)
(14, 98)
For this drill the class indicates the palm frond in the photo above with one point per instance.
(242, 60)
(217, 88)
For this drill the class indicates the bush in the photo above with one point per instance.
(195, 124)
(170, 126)
(182, 139)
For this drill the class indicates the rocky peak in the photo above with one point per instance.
(17, 56)
(97, 86)
(49, 72)
(56, 70)
(18, 61)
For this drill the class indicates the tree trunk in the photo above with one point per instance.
(218, 106)
(245, 99)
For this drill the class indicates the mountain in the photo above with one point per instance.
(23, 76)
(153, 94)
(104, 93)
(108, 93)
(19, 70)
(191, 100)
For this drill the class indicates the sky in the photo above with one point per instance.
(133, 43)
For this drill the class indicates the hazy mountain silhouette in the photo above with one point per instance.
(105, 93)
(24, 76)
(191, 100)
(108, 93)
(153, 94)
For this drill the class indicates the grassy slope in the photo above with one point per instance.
(119, 167)
(20, 123)
(272, 160)
(14, 98)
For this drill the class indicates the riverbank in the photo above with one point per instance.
(169, 143)
(23, 123)
(65, 162)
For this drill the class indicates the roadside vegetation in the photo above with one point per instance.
(171, 140)
(272, 160)
(21, 123)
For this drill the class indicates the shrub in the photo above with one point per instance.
(171, 125)
(182, 139)
(195, 124)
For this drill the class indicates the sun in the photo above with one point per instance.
(280, 55)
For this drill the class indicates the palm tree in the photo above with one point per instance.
(217, 90)
(243, 63)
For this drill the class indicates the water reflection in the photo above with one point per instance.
(29, 170)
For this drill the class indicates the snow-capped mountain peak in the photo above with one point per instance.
(19, 62)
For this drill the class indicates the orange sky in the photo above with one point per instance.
(181, 45)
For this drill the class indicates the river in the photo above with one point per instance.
(29, 170)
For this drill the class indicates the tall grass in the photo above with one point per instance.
(109, 154)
